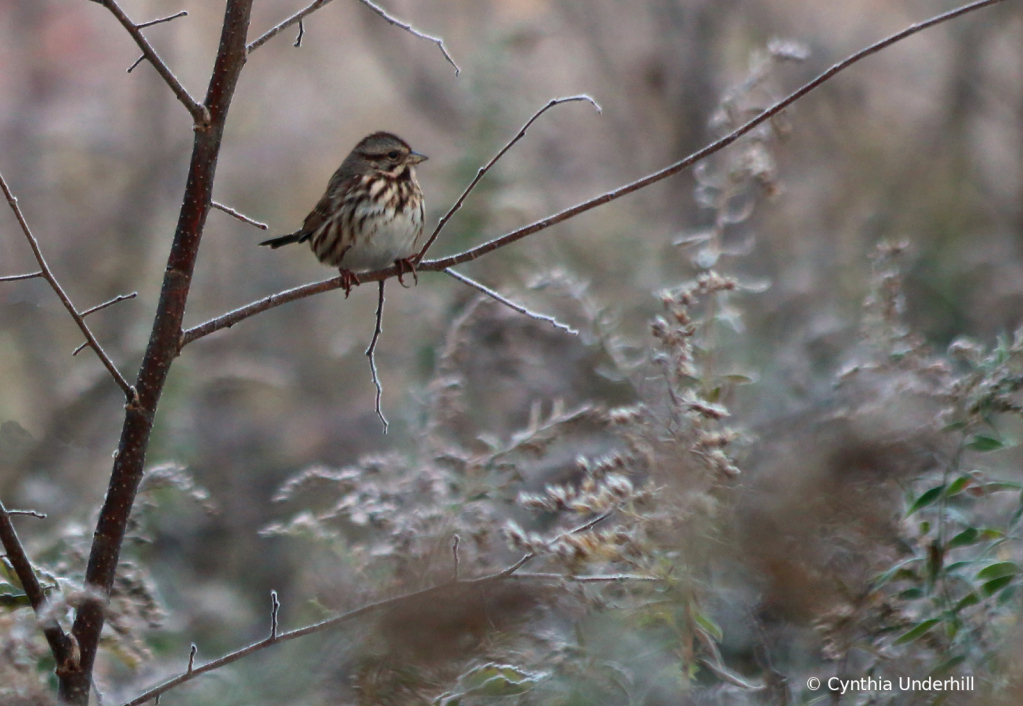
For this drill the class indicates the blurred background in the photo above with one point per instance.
(922, 142)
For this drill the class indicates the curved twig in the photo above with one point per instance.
(497, 296)
(371, 354)
(271, 33)
(486, 167)
(412, 30)
(231, 318)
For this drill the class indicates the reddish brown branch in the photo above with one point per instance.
(61, 645)
(161, 351)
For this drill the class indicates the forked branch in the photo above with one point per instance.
(200, 114)
(47, 274)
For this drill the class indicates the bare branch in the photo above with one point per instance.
(301, 33)
(47, 274)
(297, 17)
(486, 168)
(191, 658)
(412, 30)
(455, 541)
(240, 216)
(510, 304)
(275, 607)
(104, 305)
(200, 114)
(327, 624)
(541, 576)
(15, 278)
(61, 644)
(231, 318)
(372, 358)
(175, 16)
(136, 63)
(28, 513)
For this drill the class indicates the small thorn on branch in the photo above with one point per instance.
(136, 64)
(240, 216)
(191, 658)
(301, 33)
(150, 23)
(370, 353)
(510, 304)
(275, 607)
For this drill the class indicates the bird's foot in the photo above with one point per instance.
(348, 280)
(405, 267)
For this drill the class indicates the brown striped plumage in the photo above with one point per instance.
(371, 215)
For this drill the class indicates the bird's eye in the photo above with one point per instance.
(392, 155)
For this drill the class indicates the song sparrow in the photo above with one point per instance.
(371, 215)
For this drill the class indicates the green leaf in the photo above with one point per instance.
(994, 586)
(967, 601)
(968, 536)
(947, 666)
(916, 631)
(14, 600)
(736, 379)
(911, 594)
(958, 485)
(953, 426)
(709, 626)
(999, 485)
(984, 444)
(998, 570)
(899, 572)
(928, 497)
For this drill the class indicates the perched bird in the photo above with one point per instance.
(371, 215)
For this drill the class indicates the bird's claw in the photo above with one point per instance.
(405, 267)
(348, 280)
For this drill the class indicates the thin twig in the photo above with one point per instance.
(510, 304)
(61, 644)
(454, 555)
(240, 216)
(150, 23)
(411, 30)
(582, 579)
(301, 33)
(82, 347)
(15, 278)
(275, 606)
(297, 17)
(136, 63)
(370, 353)
(233, 317)
(486, 168)
(48, 275)
(200, 114)
(191, 658)
(28, 513)
(104, 305)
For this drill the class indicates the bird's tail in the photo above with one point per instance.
(280, 240)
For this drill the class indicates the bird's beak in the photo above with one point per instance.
(416, 158)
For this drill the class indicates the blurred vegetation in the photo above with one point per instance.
(795, 386)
